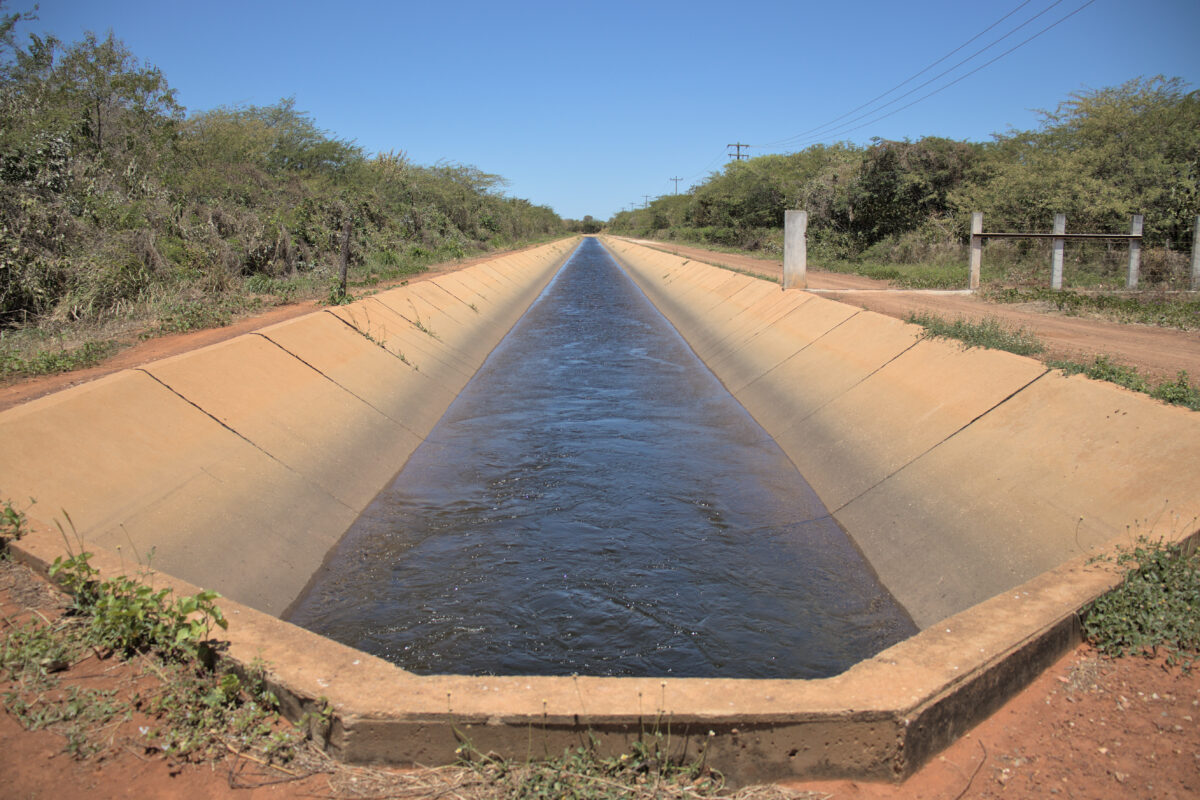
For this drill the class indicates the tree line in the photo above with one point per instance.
(113, 196)
(1099, 157)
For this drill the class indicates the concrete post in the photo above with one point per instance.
(1135, 252)
(1056, 265)
(795, 249)
(976, 250)
(1196, 256)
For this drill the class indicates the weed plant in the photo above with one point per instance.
(48, 360)
(988, 332)
(1156, 606)
(13, 525)
(646, 770)
(1179, 391)
(202, 708)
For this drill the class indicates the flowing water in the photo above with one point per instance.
(595, 502)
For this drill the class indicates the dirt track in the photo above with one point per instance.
(1159, 353)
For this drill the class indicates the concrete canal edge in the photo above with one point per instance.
(239, 462)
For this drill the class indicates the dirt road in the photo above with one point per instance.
(1159, 353)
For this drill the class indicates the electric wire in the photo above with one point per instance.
(901, 83)
(918, 87)
(962, 77)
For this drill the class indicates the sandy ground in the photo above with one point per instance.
(1158, 353)
(1088, 727)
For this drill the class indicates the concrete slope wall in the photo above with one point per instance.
(959, 473)
(238, 466)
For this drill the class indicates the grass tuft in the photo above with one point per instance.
(646, 770)
(988, 332)
(52, 360)
(1179, 391)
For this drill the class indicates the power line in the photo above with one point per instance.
(901, 83)
(833, 122)
(1020, 44)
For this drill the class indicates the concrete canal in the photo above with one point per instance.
(595, 502)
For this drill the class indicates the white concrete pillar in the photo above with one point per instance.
(976, 250)
(1056, 264)
(795, 249)
(1135, 252)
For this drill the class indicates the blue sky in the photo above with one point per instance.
(588, 107)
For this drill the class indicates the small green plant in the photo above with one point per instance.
(128, 616)
(1178, 392)
(54, 360)
(1156, 606)
(338, 296)
(13, 525)
(646, 770)
(988, 332)
(204, 706)
(1105, 369)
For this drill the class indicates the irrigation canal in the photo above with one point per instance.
(595, 502)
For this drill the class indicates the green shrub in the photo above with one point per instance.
(1156, 606)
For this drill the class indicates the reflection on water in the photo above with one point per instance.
(595, 502)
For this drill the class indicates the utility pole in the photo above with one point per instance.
(739, 155)
(645, 201)
(677, 180)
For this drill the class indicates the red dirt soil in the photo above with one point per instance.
(1088, 727)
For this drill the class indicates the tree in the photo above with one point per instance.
(119, 103)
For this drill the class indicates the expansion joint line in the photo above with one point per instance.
(224, 425)
(361, 332)
(344, 388)
(801, 350)
(452, 294)
(860, 381)
(933, 447)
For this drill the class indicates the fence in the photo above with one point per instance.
(795, 249)
(1059, 237)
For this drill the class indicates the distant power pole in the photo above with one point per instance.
(646, 200)
(677, 180)
(738, 156)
